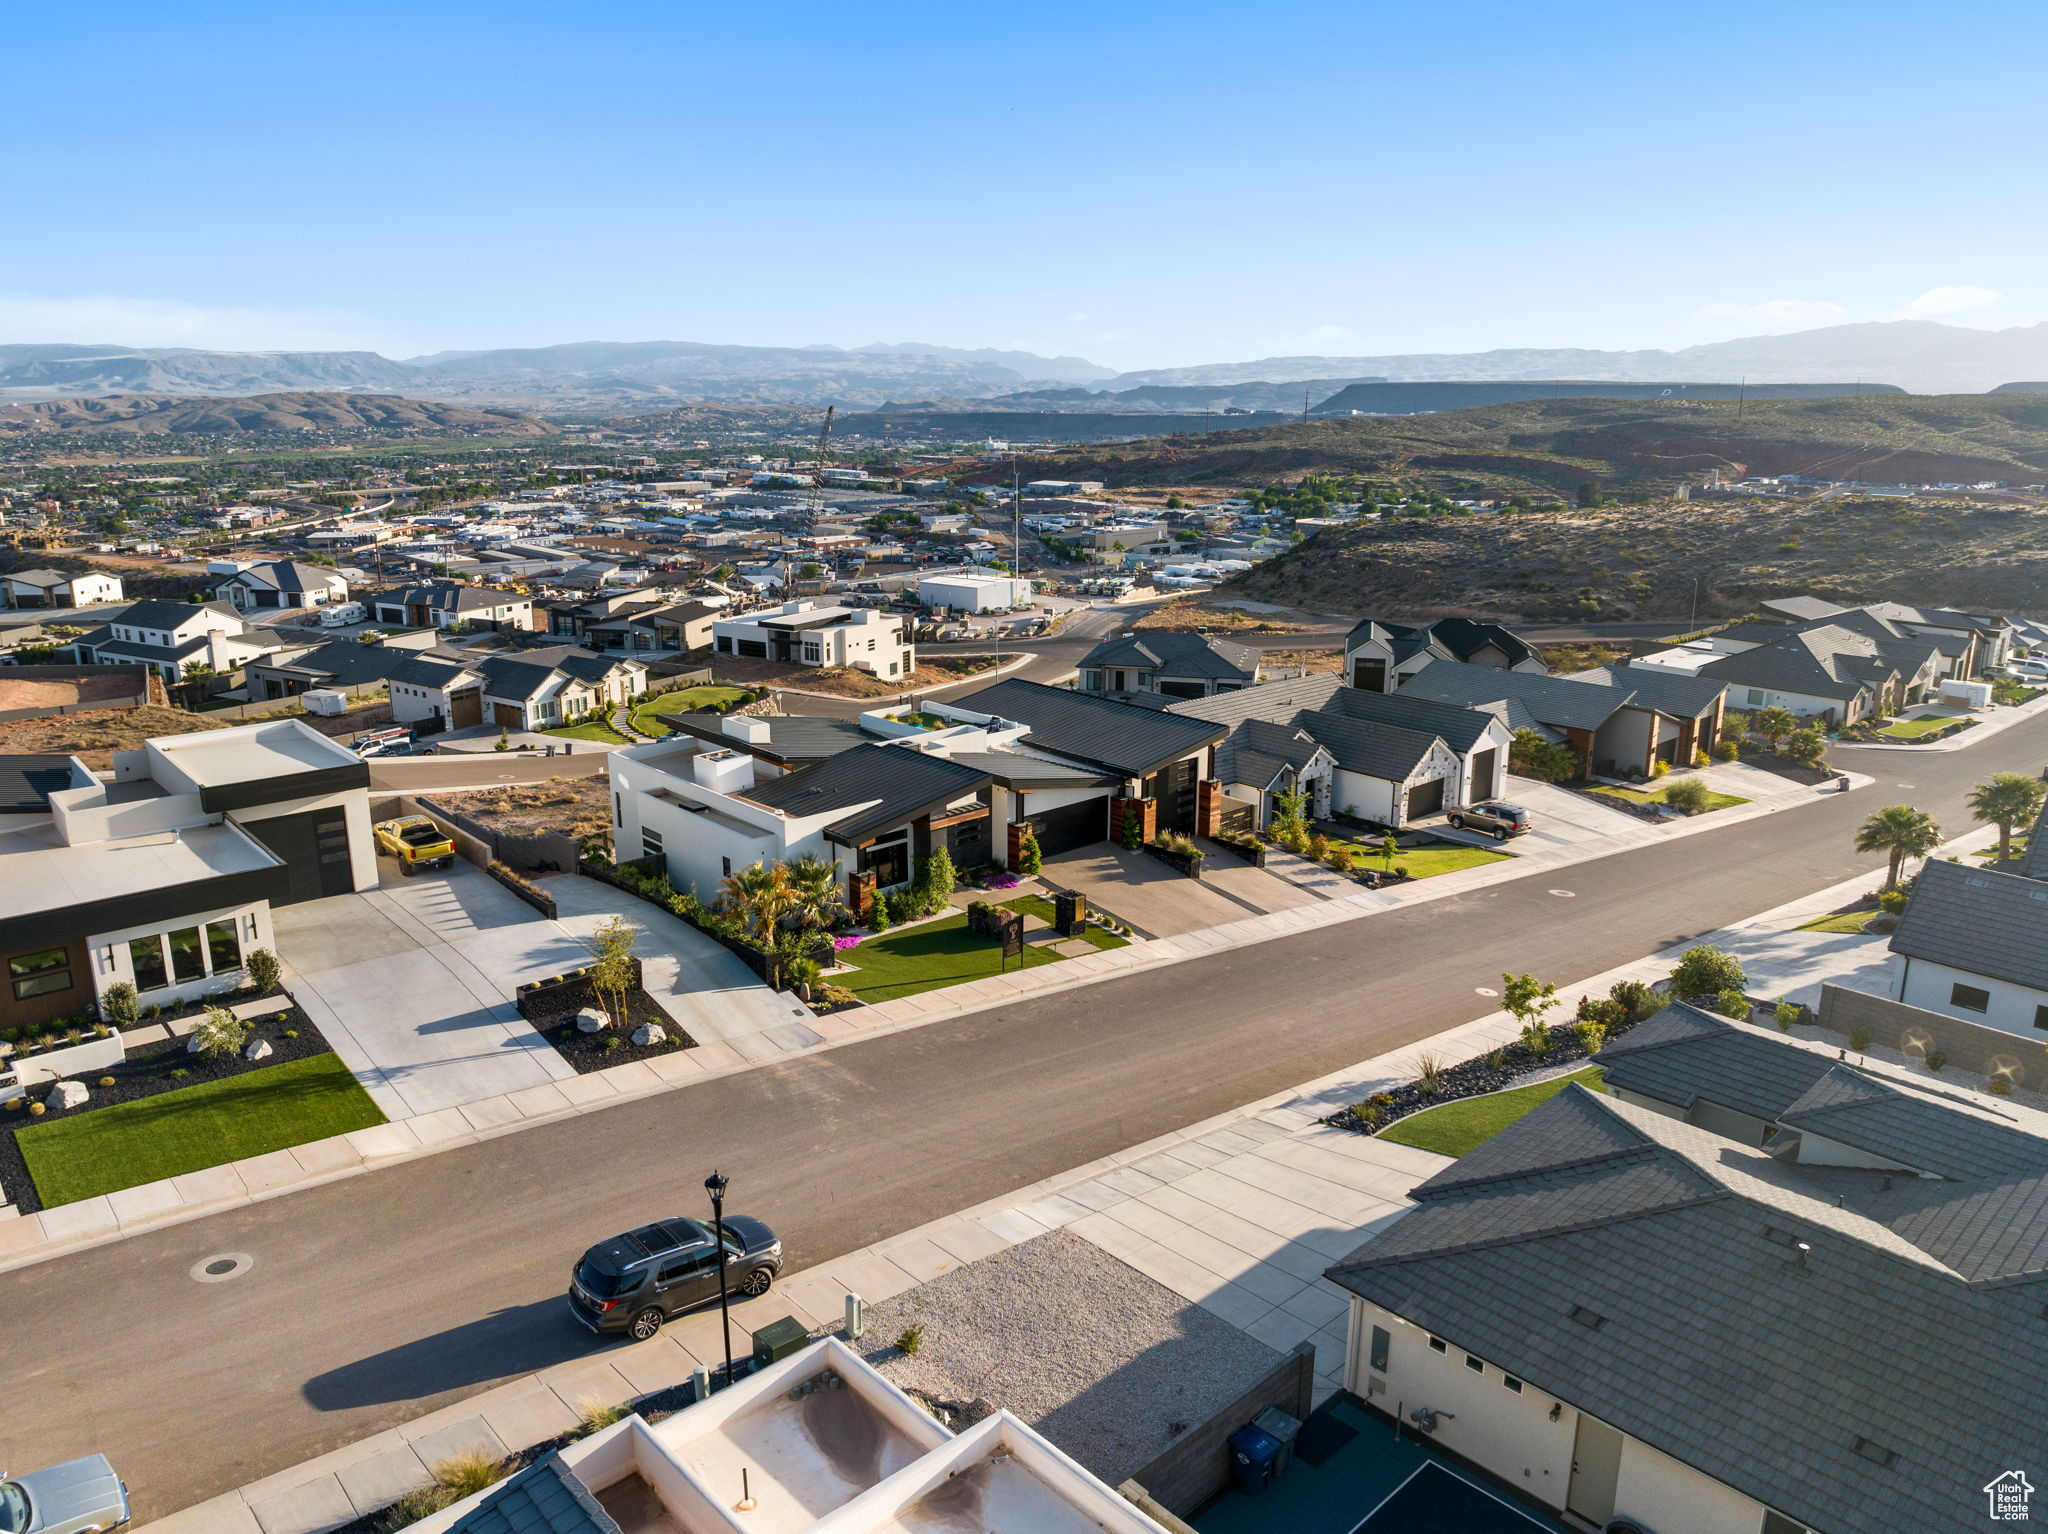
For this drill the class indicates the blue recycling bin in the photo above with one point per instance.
(1253, 1454)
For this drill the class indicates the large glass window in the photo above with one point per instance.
(223, 948)
(889, 862)
(146, 954)
(40, 974)
(188, 960)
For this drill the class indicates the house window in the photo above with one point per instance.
(146, 955)
(1477, 1366)
(618, 811)
(223, 952)
(188, 959)
(1438, 1345)
(2041, 1017)
(1970, 998)
(888, 861)
(1381, 1344)
(40, 974)
(1509, 1382)
(1756, 697)
(650, 844)
(725, 867)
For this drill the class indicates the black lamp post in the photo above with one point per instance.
(715, 1185)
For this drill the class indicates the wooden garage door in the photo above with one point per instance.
(508, 715)
(469, 708)
(1425, 798)
(1070, 826)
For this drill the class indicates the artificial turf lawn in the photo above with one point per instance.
(1421, 862)
(1656, 796)
(593, 730)
(941, 953)
(683, 700)
(1913, 729)
(1043, 909)
(1455, 1128)
(108, 1149)
(1841, 921)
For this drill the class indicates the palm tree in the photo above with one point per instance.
(760, 895)
(814, 890)
(1773, 724)
(1901, 832)
(2009, 799)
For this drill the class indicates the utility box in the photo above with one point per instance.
(1070, 914)
(779, 1339)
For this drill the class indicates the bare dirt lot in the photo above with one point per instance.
(576, 807)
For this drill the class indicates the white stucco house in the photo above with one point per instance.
(803, 633)
(1973, 943)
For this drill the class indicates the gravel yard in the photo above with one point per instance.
(1108, 1363)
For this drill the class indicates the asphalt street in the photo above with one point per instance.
(380, 1297)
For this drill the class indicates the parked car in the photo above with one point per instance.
(75, 1497)
(635, 1282)
(393, 742)
(416, 842)
(1499, 819)
(2028, 670)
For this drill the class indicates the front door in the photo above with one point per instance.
(1596, 1467)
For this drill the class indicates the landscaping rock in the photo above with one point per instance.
(194, 1043)
(650, 1033)
(69, 1094)
(259, 1049)
(590, 1020)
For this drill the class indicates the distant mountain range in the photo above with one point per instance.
(325, 411)
(618, 376)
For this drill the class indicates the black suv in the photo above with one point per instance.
(1501, 820)
(633, 1283)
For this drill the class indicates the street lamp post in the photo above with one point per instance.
(715, 1185)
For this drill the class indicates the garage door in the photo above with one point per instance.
(1425, 798)
(1071, 826)
(1484, 764)
(314, 846)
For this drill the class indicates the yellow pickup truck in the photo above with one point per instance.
(416, 842)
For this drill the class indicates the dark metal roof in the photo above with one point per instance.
(1374, 750)
(1979, 921)
(1650, 1274)
(1127, 739)
(27, 781)
(793, 739)
(1177, 655)
(888, 784)
(1552, 700)
(544, 1498)
(1020, 769)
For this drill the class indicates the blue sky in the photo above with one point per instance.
(1142, 184)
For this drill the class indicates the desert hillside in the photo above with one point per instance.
(303, 411)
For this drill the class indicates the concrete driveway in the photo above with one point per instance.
(412, 983)
(1161, 903)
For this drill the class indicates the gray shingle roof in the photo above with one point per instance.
(1103, 731)
(1275, 701)
(544, 1498)
(1684, 1054)
(1552, 700)
(892, 783)
(1373, 750)
(155, 614)
(1668, 692)
(1261, 753)
(1178, 655)
(1659, 1288)
(344, 662)
(1460, 726)
(1958, 1141)
(1823, 662)
(1978, 920)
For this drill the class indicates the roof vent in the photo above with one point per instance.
(1592, 1320)
(1876, 1453)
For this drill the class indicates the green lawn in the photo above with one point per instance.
(1455, 1128)
(592, 730)
(1039, 906)
(683, 700)
(1656, 796)
(1841, 921)
(941, 953)
(1421, 862)
(193, 1128)
(1913, 729)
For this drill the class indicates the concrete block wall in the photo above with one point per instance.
(1196, 1468)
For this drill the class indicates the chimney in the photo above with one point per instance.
(723, 772)
(746, 727)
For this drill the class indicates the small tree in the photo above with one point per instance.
(504, 741)
(1290, 816)
(119, 1004)
(936, 877)
(1733, 1004)
(1526, 999)
(220, 1034)
(262, 968)
(1704, 970)
(1773, 724)
(1636, 999)
(1030, 861)
(611, 977)
(2007, 800)
(1534, 757)
(1900, 832)
(1133, 829)
(1807, 745)
(1390, 847)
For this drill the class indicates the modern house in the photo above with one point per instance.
(802, 633)
(1973, 943)
(1173, 665)
(1626, 1311)
(631, 620)
(1828, 672)
(452, 605)
(1379, 657)
(172, 638)
(1616, 720)
(344, 663)
(281, 583)
(514, 690)
(59, 588)
(163, 872)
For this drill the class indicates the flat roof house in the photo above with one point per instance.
(1627, 1314)
(805, 634)
(162, 873)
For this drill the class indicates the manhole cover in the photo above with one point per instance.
(221, 1267)
(1485, 990)
(1564, 894)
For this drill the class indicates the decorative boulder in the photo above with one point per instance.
(68, 1094)
(650, 1033)
(258, 1049)
(194, 1043)
(590, 1020)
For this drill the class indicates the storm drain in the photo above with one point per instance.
(219, 1269)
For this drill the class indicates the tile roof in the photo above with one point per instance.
(1458, 638)
(890, 784)
(1684, 1054)
(1979, 921)
(1668, 692)
(1177, 655)
(1121, 736)
(1275, 701)
(544, 1498)
(1460, 726)
(151, 613)
(1373, 750)
(1823, 662)
(1651, 1275)
(1260, 753)
(1951, 1139)
(1552, 700)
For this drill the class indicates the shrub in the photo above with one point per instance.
(37, 1110)
(1340, 858)
(1807, 745)
(1700, 759)
(1604, 1014)
(1636, 999)
(462, 1476)
(596, 1417)
(1935, 1059)
(1999, 1086)
(1029, 859)
(1892, 901)
(1728, 750)
(1429, 1074)
(1704, 970)
(910, 1340)
(1785, 1014)
(1688, 795)
(1591, 1035)
(1536, 1039)
(221, 1034)
(1365, 1115)
(878, 914)
(1659, 768)
(613, 1041)
(120, 1004)
(1732, 1003)
(262, 968)
(180, 1074)
(1859, 1039)
(1319, 847)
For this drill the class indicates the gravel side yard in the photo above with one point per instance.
(1100, 1358)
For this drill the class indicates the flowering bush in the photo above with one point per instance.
(845, 940)
(1003, 881)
